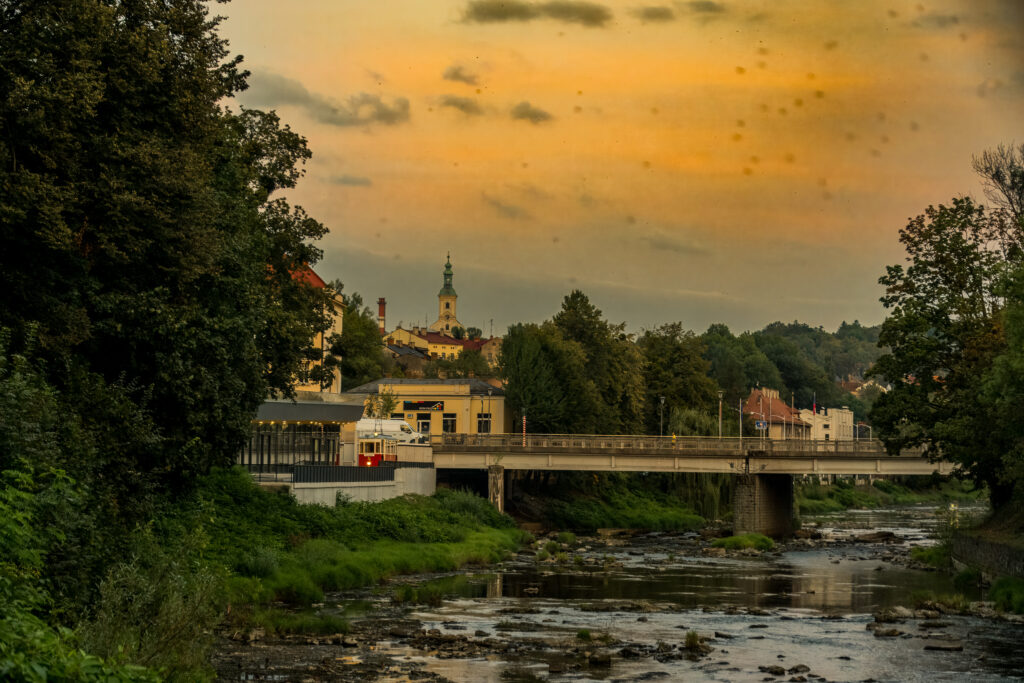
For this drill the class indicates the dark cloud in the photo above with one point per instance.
(273, 90)
(352, 181)
(504, 209)
(654, 14)
(527, 112)
(663, 242)
(460, 75)
(706, 7)
(467, 105)
(934, 20)
(568, 11)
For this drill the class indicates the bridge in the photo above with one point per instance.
(764, 501)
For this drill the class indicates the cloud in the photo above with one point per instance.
(352, 181)
(460, 75)
(933, 20)
(527, 112)
(274, 90)
(705, 7)
(663, 242)
(567, 11)
(504, 209)
(654, 14)
(467, 105)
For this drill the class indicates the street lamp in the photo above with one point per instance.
(720, 395)
(661, 417)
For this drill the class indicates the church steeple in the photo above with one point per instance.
(447, 289)
(446, 298)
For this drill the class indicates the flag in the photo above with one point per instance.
(814, 406)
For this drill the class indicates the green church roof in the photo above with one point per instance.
(447, 289)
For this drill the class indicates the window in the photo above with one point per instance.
(447, 304)
(423, 423)
(406, 429)
(397, 416)
(483, 423)
(448, 423)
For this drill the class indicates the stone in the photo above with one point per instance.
(599, 659)
(774, 669)
(719, 634)
(799, 668)
(948, 646)
(887, 633)
(876, 537)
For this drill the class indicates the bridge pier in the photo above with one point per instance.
(496, 486)
(764, 504)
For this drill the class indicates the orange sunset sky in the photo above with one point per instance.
(737, 162)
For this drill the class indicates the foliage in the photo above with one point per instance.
(690, 422)
(674, 369)
(944, 331)
(744, 541)
(935, 555)
(359, 345)
(737, 364)
(1008, 594)
(470, 363)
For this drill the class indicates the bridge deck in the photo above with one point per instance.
(601, 453)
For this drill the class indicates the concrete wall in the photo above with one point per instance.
(418, 480)
(993, 559)
(764, 504)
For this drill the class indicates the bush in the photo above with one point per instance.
(935, 556)
(758, 541)
(566, 537)
(584, 634)
(692, 642)
(1008, 594)
(967, 579)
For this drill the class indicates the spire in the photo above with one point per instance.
(447, 289)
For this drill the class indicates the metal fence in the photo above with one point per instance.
(311, 473)
(682, 444)
(271, 447)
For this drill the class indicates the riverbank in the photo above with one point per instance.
(638, 606)
(813, 498)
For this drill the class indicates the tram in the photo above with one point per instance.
(373, 449)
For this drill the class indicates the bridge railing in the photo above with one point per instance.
(680, 444)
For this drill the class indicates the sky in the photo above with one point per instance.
(705, 161)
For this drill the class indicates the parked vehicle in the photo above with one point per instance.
(399, 430)
(375, 449)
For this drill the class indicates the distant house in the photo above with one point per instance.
(436, 406)
(438, 346)
(781, 419)
(829, 424)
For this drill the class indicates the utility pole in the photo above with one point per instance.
(661, 417)
(720, 395)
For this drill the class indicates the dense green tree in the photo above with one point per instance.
(470, 363)
(474, 333)
(944, 329)
(737, 364)
(138, 233)
(675, 368)
(532, 388)
(802, 378)
(359, 345)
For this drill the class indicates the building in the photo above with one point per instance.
(781, 419)
(829, 424)
(452, 406)
(446, 300)
(322, 339)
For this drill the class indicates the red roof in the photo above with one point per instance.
(306, 275)
(438, 338)
(758, 405)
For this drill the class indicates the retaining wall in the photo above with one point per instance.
(419, 480)
(993, 559)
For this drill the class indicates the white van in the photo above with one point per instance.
(398, 430)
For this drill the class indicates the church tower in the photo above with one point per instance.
(446, 320)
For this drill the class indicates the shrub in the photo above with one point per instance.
(584, 634)
(1008, 594)
(967, 579)
(567, 537)
(552, 547)
(758, 541)
(935, 556)
(692, 642)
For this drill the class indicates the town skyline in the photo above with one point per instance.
(693, 161)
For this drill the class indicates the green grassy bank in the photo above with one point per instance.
(813, 498)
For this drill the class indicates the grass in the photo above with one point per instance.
(566, 537)
(306, 622)
(953, 601)
(692, 642)
(1008, 594)
(756, 541)
(814, 499)
(623, 509)
(584, 634)
(934, 556)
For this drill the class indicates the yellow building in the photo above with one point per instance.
(436, 406)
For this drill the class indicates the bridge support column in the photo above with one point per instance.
(496, 486)
(764, 504)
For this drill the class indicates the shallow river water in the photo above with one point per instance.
(807, 606)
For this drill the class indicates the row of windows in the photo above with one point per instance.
(449, 422)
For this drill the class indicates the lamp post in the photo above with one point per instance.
(720, 395)
(661, 417)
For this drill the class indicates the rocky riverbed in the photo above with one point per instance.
(632, 607)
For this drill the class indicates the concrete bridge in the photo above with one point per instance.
(764, 501)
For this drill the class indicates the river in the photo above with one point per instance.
(620, 609)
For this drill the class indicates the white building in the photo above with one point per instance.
(830, 424)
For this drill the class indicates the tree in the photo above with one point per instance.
(458, 332)
(359, 344)
(474, 333)
(139, 235)
(737, 364)
(943, 331)
(675, 368)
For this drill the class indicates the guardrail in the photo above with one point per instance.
(681, 444)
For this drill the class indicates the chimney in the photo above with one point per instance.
(381, 304)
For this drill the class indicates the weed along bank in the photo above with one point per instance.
(312, 449)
